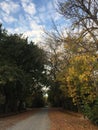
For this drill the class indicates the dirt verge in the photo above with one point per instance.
(61, 120)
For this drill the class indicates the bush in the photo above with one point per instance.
(91, 111)
(94, 118)
(69, 105)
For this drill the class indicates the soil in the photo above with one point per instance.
(65, 120)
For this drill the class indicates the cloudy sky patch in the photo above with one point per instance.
(29, 17)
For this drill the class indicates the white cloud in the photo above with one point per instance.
(26, 19)
(9, 7)
(18, 30)
(42, 9)
(35, 26)
(7, 18)
(50, 6)
(49, 12)
(29, 7)
(35, 33)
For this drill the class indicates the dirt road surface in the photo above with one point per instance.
(46, 119)
(38, 121)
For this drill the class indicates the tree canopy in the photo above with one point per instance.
(21, 69)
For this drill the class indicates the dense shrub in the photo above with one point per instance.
(91, 111)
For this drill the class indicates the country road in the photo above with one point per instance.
(38, 121)
(46, 119)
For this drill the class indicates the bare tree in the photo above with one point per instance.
(84, 15)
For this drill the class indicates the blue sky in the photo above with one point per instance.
(29, 16)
